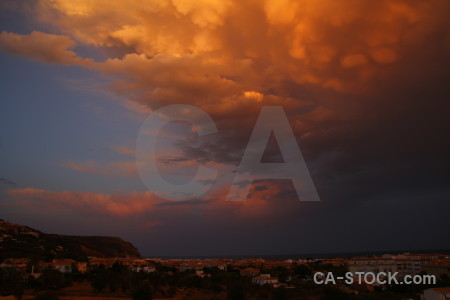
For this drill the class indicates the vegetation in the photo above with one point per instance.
(47, 295)
(216, 285)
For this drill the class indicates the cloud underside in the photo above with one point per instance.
(148, 204)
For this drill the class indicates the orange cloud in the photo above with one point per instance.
(124, 150)
(253, 95)
(356, 60)
(220, 55)
(41, 46)
(199, 43)
(262, 200)
(116, 204)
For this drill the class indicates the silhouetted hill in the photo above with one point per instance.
(22, 241)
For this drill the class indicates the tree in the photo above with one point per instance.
(47, 295)
(302, 271)
(52, 279)
(143, 292)
(172, 291)
(12, 282)
(117, 267)
(334, 293)
(279, 294)
(282, 273)
(236, 292)
(99, 282)
(114, 280)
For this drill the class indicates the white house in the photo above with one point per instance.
(264, 279)
(62, 265)
(374, 265)
(143, 266)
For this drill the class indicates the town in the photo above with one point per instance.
(249, 278)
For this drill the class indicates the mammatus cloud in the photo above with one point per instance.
(232, 57)
(340, 46)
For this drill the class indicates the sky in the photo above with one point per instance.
(364, 86)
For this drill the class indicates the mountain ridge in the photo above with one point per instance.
(19, 241)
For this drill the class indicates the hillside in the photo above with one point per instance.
(22, 241)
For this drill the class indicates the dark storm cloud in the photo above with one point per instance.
(185, 202)
(7, 181)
